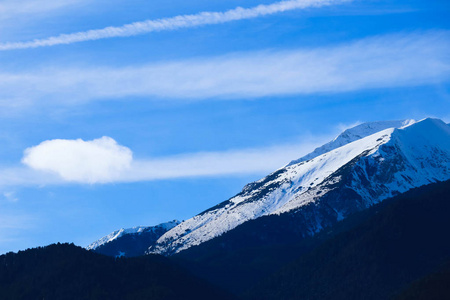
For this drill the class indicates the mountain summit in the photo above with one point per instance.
(362, 166)
(353, 134)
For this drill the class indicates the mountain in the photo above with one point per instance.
(136, 241)
(318, 192)
(400, 250)
(65, 271)
(131, 241)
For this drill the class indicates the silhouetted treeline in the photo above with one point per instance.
(65, 271)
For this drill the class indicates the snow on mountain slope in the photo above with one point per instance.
(131, 231)
(411, 157)
(353, 134)
(339, 182)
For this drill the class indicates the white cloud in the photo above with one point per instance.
(376, 62)
(182, 21)
(97, 161)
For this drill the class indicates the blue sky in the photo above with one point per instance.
(160, 125)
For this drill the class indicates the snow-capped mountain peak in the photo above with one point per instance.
(353, 134)
(366, 169)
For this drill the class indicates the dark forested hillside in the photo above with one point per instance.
(241, 257)
(400, 243)
(65, 271)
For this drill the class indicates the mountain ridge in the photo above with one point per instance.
(353, 134)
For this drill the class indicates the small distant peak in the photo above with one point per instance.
(134, 230)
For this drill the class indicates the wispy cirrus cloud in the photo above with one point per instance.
(182, 21)
(213, 164)
(376, 62)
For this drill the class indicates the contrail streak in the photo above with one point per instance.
(167, 24)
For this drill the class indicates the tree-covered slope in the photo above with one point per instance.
(402, 242)
(65, 271)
